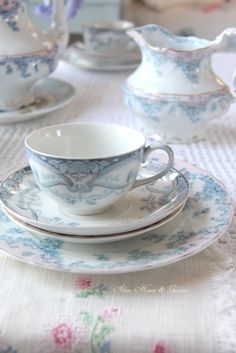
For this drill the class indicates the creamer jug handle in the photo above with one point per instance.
(226, 41)
(233, 89)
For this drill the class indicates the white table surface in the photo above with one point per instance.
(99, 98)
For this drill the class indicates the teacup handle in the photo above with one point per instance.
(233, 90)
(148, 150)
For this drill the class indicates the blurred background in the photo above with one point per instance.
(204, 18)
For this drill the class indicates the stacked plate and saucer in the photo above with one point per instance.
(152, 225)
(105, 47)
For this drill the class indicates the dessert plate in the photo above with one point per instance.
(90, 239)
(204, 219)
(78, 56)
(139, 208)
(50, 95)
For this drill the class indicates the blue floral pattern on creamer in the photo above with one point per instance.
(195, 110)
(188, 61)
(205, 217)
(175, 88)
(190, 69)
(176, 120)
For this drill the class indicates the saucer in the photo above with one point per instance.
(90, 239)
(139, 208)
(204, 219)
(132, 53)
(78, 56)
(50, 95)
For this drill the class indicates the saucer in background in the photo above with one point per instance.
(77, 55)
(50, 95)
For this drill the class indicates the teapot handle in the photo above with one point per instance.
(59, 27)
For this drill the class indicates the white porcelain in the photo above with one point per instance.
(175, 89)
(132, 54)
(107, 36)
(49, 95)
(206, 216)
(98, 239)
(27, 54)
(87, 167)
(78, 56)
(122, 58)
(140, 208)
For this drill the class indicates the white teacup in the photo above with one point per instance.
(87, 167)
(107, 37)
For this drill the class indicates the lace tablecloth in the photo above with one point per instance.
(45, 311)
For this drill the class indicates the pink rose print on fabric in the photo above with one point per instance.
(111, 313)
(83, 282)
(160, 347)
(65, 335)
(87, 332)
(62, 334)
(88, 289)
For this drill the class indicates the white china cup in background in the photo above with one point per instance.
(106, 37)
(87, 167)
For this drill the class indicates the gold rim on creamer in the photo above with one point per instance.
(215, 43)
(137, 35)
(160, 95)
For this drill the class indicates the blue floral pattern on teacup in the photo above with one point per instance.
(107, 37)
(85, 183)
(107, 42)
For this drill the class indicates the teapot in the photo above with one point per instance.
(26, 53)
(175, 89)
